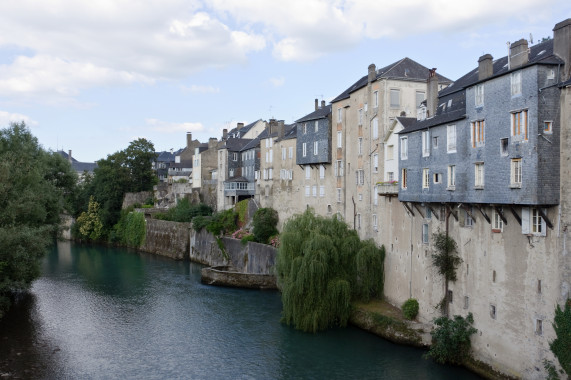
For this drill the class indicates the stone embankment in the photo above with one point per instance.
(170, 239)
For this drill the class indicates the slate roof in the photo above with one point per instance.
(405, 69)
(235, 144)
(320, 113)
(79, 167)
(450, 108)
(290, 132)
(237, 179)
(165, 156)
(184, 164)
(541, 53)
(233, 132)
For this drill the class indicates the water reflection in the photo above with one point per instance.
(107, 313)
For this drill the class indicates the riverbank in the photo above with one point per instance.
(388, 322)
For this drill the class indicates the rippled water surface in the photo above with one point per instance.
(103, 313)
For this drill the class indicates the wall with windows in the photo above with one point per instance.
(314, 141)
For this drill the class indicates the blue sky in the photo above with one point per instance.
(91, 76)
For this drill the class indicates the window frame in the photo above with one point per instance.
(479, 175)
(478, 133)
(404, 148)
(516, 83)
(425, 143)
(451, 138)
(425, 178)
(479, 95)
(519, 130)
(394, 94)
(516, 172)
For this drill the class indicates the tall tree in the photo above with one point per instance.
(35, 187)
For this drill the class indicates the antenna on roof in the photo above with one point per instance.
(530, 39)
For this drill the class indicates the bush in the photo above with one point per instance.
(561, 346)
(222, 223)
(265, 222)
(247, 239)
(451, 339)
(184, 212)
(410, 308)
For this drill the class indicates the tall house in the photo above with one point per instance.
(361, 117)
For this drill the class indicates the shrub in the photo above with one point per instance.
(199, 222)
(247, 239)
(451, 339)
(223, 222)
(265, 222)
(410, 308)
(561, 346)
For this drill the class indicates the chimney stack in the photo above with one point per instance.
(239, 126)
(372, 73)
(562, 46)
(316, 104)
(281, 128)
(212, 142)
(432, 92)
(188, 139)
(485, 67)
(69, 157)
(519, 54)
(224, 134)
(323, 104)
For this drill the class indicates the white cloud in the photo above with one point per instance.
(7, 117)
(277, 82)
(170, 127)
(200, 89)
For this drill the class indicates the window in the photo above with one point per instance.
(451, 139)
(425, 143)
(339, 139)
(360, 145)
(376, 99)
(466, 302)
(497, 222)
(375, 196)
(365, 107)
(307, 191)
(358, 221)
(493, 311)
(390, 176)
(479, 95)
(479, 175)
(315, 148)
(375, 162)
(270, 172)
(477, 133)
(468, 221)
(515, 176)
(316, 126)
(539, 327)
(291, 152)
(519, 125)
(435, 142)
(271, 155)
(321, 171)
(436, 178)
(539, 286)
(532, 223)
(304, 149)
(375, 128)
(536, 222)
(360, 196)
(360, 116)
(307, 172)
(339, 168)
(425, 233)
(450, 296)
(548, 127)
(314, 190)
(419, 98)
(339, 193)
(403, 178)
(516, 83)
(425, 178)
(390, 152)
(321, 191)
(231, 173)
(375, 222)
(304, 128)
(360, 177)
(283, 154)
(504, 147)
(395, 98)
(403, 148)
(234, 156)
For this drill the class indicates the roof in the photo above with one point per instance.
(319, 113)
(237, 179)
(405, 69)
(450, 108)
(541, 53)
(235, 144)
(79, 167)
(165, 156)
(233, 132)
(290, 132)
(183, 164)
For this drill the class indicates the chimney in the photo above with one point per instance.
(432, 92)
(316, 104)
(239, 126)
(485, 67)
(562, 46)
(224, 134)
(372, 73)
(188, 139)
(273, 125)
(519, 54)
(212, 142)
(69, 157)
(281, 128)
(323, 104)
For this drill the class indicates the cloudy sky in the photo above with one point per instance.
(91, 76)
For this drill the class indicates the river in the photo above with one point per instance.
(106, 313)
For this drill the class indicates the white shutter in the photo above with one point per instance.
(525, 220)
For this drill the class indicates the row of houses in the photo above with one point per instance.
(405, 152)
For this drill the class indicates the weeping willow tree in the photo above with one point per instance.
(322, 265)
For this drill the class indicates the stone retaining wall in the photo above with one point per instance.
(166, 238)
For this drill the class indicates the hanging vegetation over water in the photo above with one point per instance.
(322, 266)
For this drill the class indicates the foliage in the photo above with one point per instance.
(446, 261)
(561, 346)
(247, 239)
(317, 271)
(275, 241)
(223, 222)
(129, 170)
(240, 234)
(200, 222)
(265, 222)
(410, 308)
(370, 268)
(184, 212)
(451, 339)
(551, 370)
(242, 210)
(131, 229)
(36, 186)
(89, 223)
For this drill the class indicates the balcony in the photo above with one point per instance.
(388, 189)
(237, 188)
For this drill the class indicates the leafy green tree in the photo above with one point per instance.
(139, 156)
(451, 339)
(317, 271)
(35, 188)
(265, 221)
(561, 346)
(446, 261)
(89, 223)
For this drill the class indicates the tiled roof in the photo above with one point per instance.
(320, 113)
(541, 53)
(405, 69)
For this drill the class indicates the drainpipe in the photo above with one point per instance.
(411, 250)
